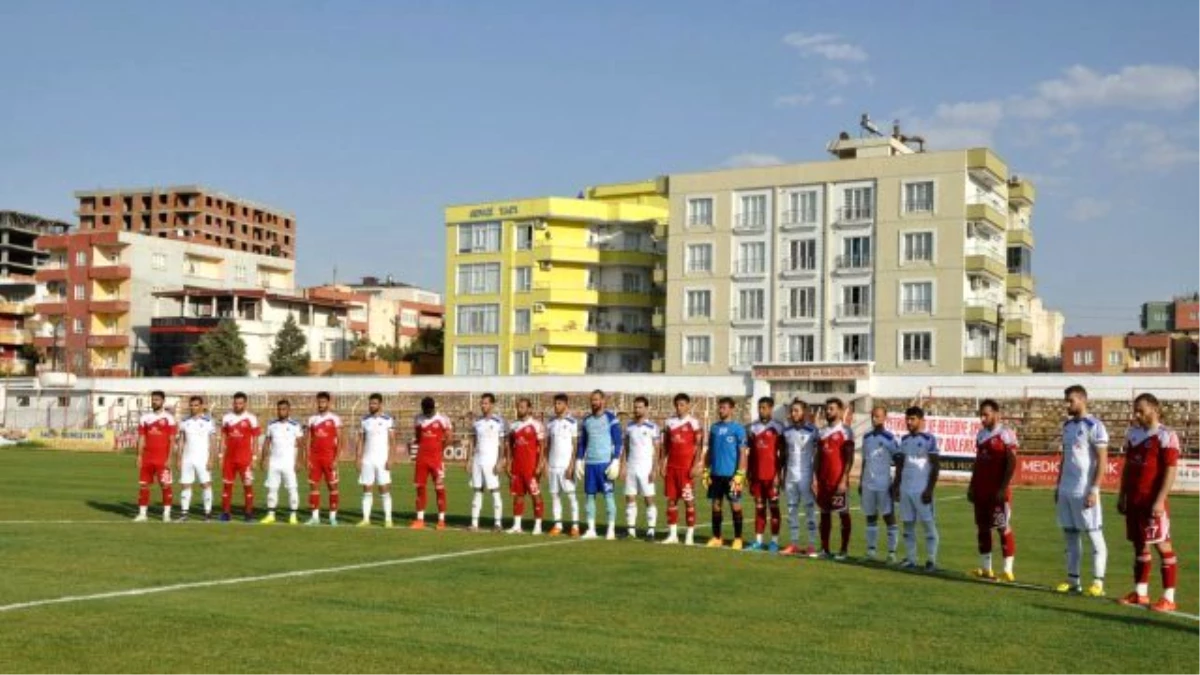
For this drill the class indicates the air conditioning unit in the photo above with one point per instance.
(545, 265)
(539, 350)
(538, 308)
(539, 224)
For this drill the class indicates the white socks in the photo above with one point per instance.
(1099, 554)
(910, 542)
(1008, 565)
(497, 507)
(207, 496)
(272, 498)
(872, 536)
(985, 562)
(893, 534)
(573, 500)
(931, 541)
(185, 498)
(367, 500)
(631, 510)
(476, 507)
(1074, 554)
(652, 516)
(387, 506)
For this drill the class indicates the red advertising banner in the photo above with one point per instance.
(1043, 470)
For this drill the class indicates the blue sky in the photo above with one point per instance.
(366, 118)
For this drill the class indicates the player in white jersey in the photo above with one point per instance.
(195, 460)
(917, 471)
(278, 459)
(879, 449)
(1077, 495)
(563, 432)
(483, 461)
(800, 440)
(374, 459)
(644, 441)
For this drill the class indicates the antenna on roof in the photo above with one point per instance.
(869, 126)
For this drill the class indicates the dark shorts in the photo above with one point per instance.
(721, 487)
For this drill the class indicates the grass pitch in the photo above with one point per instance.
(221, 600)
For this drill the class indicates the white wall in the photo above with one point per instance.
(1050, 385)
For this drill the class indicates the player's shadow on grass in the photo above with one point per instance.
(942, 575)
(1140, 618)
(124, 509)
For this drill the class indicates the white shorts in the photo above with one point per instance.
(194, 470)
(285, 475)
(374, 473)
(638, 481)
(559, 483)
(1073, 515)
(876, 502)
(483, 476)
(913, 509)
(800, 493)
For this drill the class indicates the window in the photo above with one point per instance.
(23, 401)
(1151, 359)
(801, 255)
(239, 272)
(633, 241)
(800, 349)
(77, 326)
(697, 350)
(917, 347)
(523, 279)
(409, 317)
(918, 197)
(752, 258)
(478, 320)
(856, 253)
(749, 350)
(700, 211)
(699, 258)
(856, 301)
(476, 360)
(81, 258)
(479, 237)
(521, 321)
(801, 208)
(1114, 358)
(1084, 357)
(631, 363)
(858, 203)
(752, 211)
(801, 303)
(699, 304)
(524, 236)
(520, 362)
(80, 292)
(479, 278)
(321, 350)
(917, 246)
(632, 282)
(1020, 260)
(63, 401)
(856, 347)
(916, 297)
(750, 304)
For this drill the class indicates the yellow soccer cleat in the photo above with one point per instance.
(715, 542)
(293, 520)
(986, 575)
(1008, 577)
(363, 523)
(1096, 590)
(736, 545)
(1065, 587)
(268, 519)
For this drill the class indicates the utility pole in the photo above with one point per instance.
(999, 337)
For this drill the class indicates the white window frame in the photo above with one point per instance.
(906, 206)
(516, 325)
(790, 214)
(476, 271)
(688, 258)
(687, 360)
(901, 310)
(787, 345)
(81, 258)
(518, 272)
(692, 222)
(1118, 360)
(519, 356)
(687, 303)
(902, 356)
(905, 260)
(79, 292)
(484, 309)
(469, 351)
(739, 353)
(864, 334)
(740, 265)
(788, 308)
(859, 211)
(740, 308)
(744, 223)
(77, 326)
(471, 228)
(517, 229)
(787, 254)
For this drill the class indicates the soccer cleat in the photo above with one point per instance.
(515, 529)
(249, 518)
(555, 531)
(715, 542)
(313, 520)
(1163, 605)
(268, 519)
(891, 558)
(840, 556)
(537, 530)
(908, 565)
(870, 555)
(417, 525)
(737, 544)
(590, 534)
(473, 528)
(1096, 590)
(631, 533)
(986, 575)
(1134, 599)
(183, 517)
(790, 549)
(441, 525)
(365, 522)
(1066, 587)
(810, 552)
(388, 524)
(671, 539)
(207, 516)
(650, 538)
(930, 567)
(140, 518)
(574, 530)
(293, 520)
(333, 521)
(225, 517)
(756, 546)
(1008, 577)
(498, 528)
(611, 535)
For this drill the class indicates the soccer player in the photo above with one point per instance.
(156, 431)
(989, 491)
(725, 471)
(917, 471)
(239, 429)
(278, 459)
(800, 439)
(765, 437)
(879, 452)
(195, 464)
(1151, 455)
(524, 460)
(374, 459)
(644, 442)
(321, 455)
(831, 468)
(681, 455)
(563, 431)
(434, 433)
(1077, 494)
(597, 462)
(483, 456)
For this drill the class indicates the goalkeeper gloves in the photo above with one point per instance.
(613, 470)
(707, 478)
(739, 479)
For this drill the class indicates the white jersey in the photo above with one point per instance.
(801, 440)
(489, 431)
(283, 435)
(376, 430)
(642, 438)
(917, 449)
(197, 431)
(879, 450)
(564, 434)
(1081, 440)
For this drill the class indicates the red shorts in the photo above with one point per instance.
(678, 484)
(992, 515)
(323, 469)
(764, 489)
(524, 483)
(1141, 527)
(236, 467)
(424, 468)
(830, 498)
(154, 472)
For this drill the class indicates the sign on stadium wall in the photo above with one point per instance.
(1042, 470)
(1188, 477)
(74, 439)
(956, 440)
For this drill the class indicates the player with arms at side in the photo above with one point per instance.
(765, 438)
(156, 433)
(598, 462)
(680, 459)
(322, 449)
(917, 468)
(800, 440)
(278, 459)
(1077, 494)
(195, 464)
(524, 462)
(831, 468)
(643, 443)
(989, 491)
(1151, 458)
(374, 459)
(239, 430)
(483, 460)
(725, 471)
(563, 432)
(433, 433)
(879, 452)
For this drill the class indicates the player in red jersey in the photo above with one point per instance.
(525, 460)
(831, 470)
(766, 459)
(682, 448)
(989, 491)
(239, 430)
(323, 432)
(1151, 455)
(156, 433)
(433, 433)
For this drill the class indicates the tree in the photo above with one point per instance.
(289, 356)
(220, 352)
(362, 349)
(1045, 364)
(429, 341)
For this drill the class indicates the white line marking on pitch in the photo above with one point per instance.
(273, 577)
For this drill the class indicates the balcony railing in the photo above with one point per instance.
(747, 315)
(854, 311)
(855, 214)
(789, 264)
(750, 222)
(749, 267)
(852, 357)
(803, 356)
(975, 246)
(799, 218)
(700, 220)
(917, 307)
(853, 262)
(745, 359)
(919, 206)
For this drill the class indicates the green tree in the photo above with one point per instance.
(220, 352)
(289, 356)
(429, 341)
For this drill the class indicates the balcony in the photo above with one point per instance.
(1018, 323)
(745, 318)
(744, 360)
(985, 213)
(658, 321)
(700, 220)
(748, 269)
(916, 308)
(659, 276)
(109, 272)
(749, 223)
(978, 364)
(981, 310)
(853, 312)
(563, 337)
(50, 273)
(985, 264)
(853, 264)
(1019, 236)
(987, 167)
(108, 341)
(1019, 282)
(798, 221)
(16, 307)
(13, 337)
(662, 230)
(797, 268)
(111, 306)
(51, 306)
(657, 365)
(790, 318)
(1021, 192)
(854, 217)
(548, 294)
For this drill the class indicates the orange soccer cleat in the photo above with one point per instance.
(575, 531)
(1163, 605)
(555, 531)
(441, 525)
(1134, 599)
(417, 525)
(790, 549)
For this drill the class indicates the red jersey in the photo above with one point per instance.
(239, 432)
(1148, 454)
(833, 442)
(682, 437)
(991, 461)
(526, 438)
(432, 433)
(157, 430)
(764, 449)
(323, 432)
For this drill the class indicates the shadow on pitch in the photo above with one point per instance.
(1141, 618)
(123, 509)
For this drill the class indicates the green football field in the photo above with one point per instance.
(252, 598)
